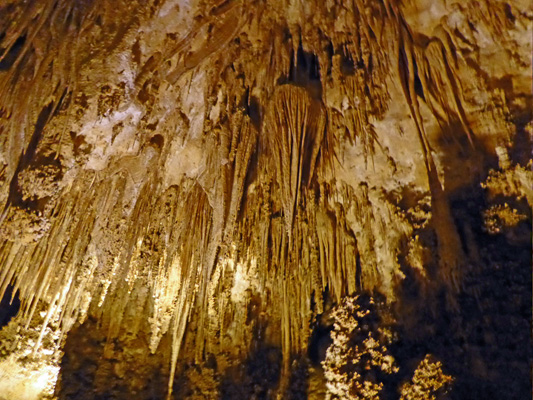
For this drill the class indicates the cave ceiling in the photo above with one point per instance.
(185, 182)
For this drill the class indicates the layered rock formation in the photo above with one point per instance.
(193, 193)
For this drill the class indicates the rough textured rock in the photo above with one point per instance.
(189, 188)
(357, 353)
(427, 381)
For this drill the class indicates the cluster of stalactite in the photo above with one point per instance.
(180, 163)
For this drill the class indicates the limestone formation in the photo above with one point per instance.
(191, 190)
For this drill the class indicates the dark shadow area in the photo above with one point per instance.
(9, 306)
(10, 56)
(257, 378)
(321, 327)
(15, 196)
(485, 343)
(522, 150)
(252, 108)
(125, 370)
(297, 389)
(305, 72)
(319, 342)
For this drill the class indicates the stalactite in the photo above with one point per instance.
(295, 127)
(207, 164)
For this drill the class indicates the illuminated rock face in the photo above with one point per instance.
(189, 188)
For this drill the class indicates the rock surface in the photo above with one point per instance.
(192, 190)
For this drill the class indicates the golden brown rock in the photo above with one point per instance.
(202, 181)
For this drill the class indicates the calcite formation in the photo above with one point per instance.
(192, 191)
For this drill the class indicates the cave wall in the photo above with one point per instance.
(189, 189)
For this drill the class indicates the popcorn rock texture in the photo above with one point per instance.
(355, 354)
(427, 381)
